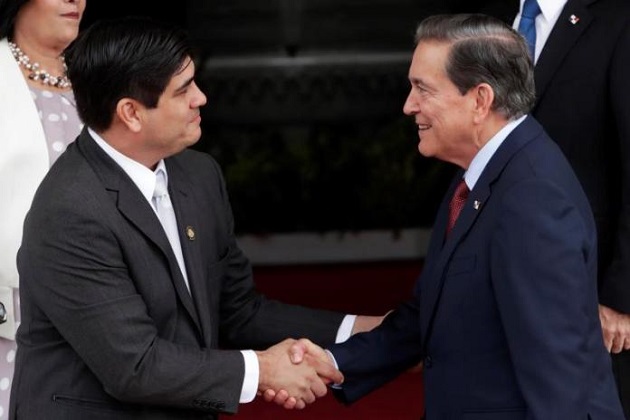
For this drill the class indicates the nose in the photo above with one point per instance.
(411, 104)
(200, 98)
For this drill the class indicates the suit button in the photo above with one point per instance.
(428, 362)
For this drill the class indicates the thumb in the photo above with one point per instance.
(297, 351)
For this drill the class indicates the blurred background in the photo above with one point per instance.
(332, 202)
(304, 108)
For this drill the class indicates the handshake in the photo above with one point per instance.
(294, 373)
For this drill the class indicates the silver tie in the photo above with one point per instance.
(166, 214)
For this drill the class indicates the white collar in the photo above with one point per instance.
(142, 177)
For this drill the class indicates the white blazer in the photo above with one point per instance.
(23, 164)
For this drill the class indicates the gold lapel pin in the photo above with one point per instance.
(476, 204)
(190, 232)
(574, 19)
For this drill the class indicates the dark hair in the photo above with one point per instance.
(131, 57)
(8, 10)
(485, 50)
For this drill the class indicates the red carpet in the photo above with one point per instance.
(372, 289)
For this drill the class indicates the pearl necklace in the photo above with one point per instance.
(61, 82)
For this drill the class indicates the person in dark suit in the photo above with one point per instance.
(583, 90)
(505, 314)
(121, 320)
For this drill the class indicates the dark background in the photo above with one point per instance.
(304, 108)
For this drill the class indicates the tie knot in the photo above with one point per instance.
(456, 204)
(161, 188)
(531, 9)
(461, 192)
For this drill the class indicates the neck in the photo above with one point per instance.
(48, 56)
(486, 132)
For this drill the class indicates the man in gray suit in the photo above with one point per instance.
(121, 320)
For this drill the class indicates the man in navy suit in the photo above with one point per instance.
(583, 89)
(505, 313)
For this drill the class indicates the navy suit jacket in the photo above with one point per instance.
(582, 88)
(109, 330)
(505, 312)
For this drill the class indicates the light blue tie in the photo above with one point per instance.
(527, 25)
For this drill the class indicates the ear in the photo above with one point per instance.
(130, 112)
(484, 100)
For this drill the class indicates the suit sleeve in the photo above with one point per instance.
(369, 360)
(544, 279)
(615, 285)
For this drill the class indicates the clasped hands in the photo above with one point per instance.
(294, 373)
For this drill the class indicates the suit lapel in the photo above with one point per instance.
(188, 221)
(562, 38)
(135, 208)
(439, 259)
(441, 249)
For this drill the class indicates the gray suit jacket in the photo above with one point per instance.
(109, 330)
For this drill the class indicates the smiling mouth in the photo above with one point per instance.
(422, 127)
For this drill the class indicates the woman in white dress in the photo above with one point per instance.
(38, 119)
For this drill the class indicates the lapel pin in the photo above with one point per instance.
(190, 232)
(574, 19)
(476, 204)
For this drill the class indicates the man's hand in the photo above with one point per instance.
(616, 329)
(305, 351)
(294, 385)
(303, 348)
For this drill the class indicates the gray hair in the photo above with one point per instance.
(485, 50)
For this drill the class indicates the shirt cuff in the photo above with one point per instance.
(250, 382)
(345, 329)
(332, 359)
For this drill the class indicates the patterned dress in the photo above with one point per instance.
(58, 114)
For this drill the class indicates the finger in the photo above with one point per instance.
(281, 397)
(297, 351)
(269, 395)
(319, 388)
(308, 396)
(617, 345)
(608, 339)
(300, 405)
(325, 369)
(290, 403)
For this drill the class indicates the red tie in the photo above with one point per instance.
(456, 205)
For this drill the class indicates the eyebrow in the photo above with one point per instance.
(417, 80)
(184, 85)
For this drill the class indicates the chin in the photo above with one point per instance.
(424, 151)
